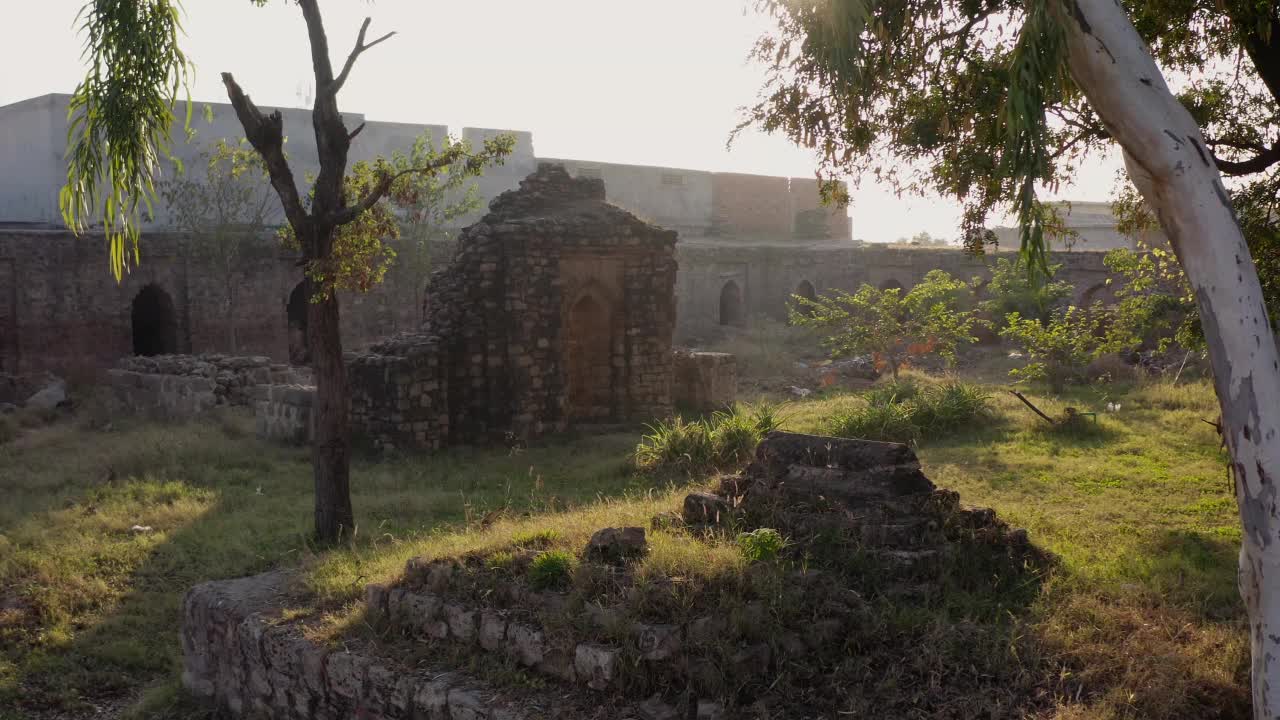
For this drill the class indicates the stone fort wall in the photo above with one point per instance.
(60, 308)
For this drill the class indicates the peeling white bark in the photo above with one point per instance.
(1168, 162)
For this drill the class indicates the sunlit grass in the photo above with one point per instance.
(1137, 507)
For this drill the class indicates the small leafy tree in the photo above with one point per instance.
(1013, 290)
(1060, 349)
(891, 325)
(428, 204)
(1154, 299)
(225, 211)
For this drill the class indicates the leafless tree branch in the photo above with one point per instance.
(360, 47)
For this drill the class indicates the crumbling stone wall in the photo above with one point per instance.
(283, 412)
(705, 380)
(557, 307)
(187, 385)
(242, 656)
(62, 310)
(766, 275)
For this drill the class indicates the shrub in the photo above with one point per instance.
(1013, 290)
(727, 439)
(892, 325)
(894, 391)
(904, 412)
(551, 570)
(948, 407)
(761, 545)
(1060, 350)
(675, 444)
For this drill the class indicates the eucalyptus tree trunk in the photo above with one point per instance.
(1169, 163)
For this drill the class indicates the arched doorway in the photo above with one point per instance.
(731, 312)
(805, 290)
(590, 370)
(1093, 294)
(155, 325)
(299, 352)
(891, 284)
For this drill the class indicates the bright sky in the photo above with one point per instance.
(656, 83)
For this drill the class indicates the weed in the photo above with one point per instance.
(535, 539)
(727, 439)
(551, 570)
(761, 545)
(903, 411)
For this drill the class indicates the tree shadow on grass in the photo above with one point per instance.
(100, 624)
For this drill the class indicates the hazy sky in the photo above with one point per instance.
(656, 83)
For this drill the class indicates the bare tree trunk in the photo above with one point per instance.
(1168, 161)
(331, 449)
(231, 313)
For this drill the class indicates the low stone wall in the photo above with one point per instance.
(172, 396)
(186, 385)
(704, 380)
(239, 654)
(399, 397)
(283, 412)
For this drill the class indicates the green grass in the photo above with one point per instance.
(89, 609)
(1142, 618)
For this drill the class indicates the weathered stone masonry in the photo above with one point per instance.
(557, 308)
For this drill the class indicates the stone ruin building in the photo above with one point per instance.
(556, 308)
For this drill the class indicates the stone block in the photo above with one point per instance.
(704, 508)
(657, 642)
(493, 630)
(463, 622)
(616, 545)
(597, 665)
(526, 644)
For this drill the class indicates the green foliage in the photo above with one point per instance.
(888, 422)
(362, 249)
(761, 544)
(891, 325)
(120, 118)
(906, 412)
(1013, 290)
(957, 95)
(428, 203)
(535, 539)
(1154, 299)
(943, 409)
(726, 439)
(551, 570)
(1060, 350)
(894, 391)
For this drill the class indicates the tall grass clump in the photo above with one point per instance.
(725, 440)
(905, 412)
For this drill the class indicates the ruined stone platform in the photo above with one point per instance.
(866, 530)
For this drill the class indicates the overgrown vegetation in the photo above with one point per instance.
(1014, 290)
(1138, 512)
(891, 325)
(761, 544)
(904, 411)
(1059, 351)
(723, 441)
(551, 569)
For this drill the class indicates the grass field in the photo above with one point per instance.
(1143, 613)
